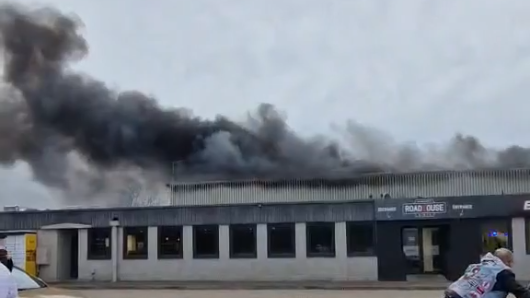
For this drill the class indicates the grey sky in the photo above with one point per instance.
(419, 70)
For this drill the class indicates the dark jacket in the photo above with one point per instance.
(9, 264)
(6, 260)
(506, 283)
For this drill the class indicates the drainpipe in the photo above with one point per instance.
(114, 223)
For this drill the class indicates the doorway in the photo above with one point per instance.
(425, 249)
(401, 257)
(68, 249)
(74, 255)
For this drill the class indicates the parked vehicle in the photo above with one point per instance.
(30, 286)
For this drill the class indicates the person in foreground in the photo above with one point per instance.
(6, 259)
(491, 278)
(8, 286)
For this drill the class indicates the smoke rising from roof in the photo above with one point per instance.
(83, 138)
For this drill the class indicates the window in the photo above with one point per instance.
(170, 242)
(320, 239)
(360, 238)
(495, 234)
(281, 240)
(135, 242)
(243, 241)
(205, 241)
(99, 244)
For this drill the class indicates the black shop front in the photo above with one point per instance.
(440, 236)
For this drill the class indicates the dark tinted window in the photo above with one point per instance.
(281, 240)
(320, 239)
(360, 239)
(243, 241)
(169, 242)
(99, 244)
(206, 241)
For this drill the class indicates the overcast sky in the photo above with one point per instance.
(419, 70)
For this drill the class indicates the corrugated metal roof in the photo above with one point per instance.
(167, 215)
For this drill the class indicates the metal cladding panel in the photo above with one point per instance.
(248, 193)
(158, 216)
(37, 219)
(405, 185)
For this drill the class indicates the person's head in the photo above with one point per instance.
(505, 255)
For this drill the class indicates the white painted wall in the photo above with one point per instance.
(225, 269)
(49, 239)
(98, 270)
(521, 259)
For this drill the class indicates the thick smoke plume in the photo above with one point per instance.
(78, 135)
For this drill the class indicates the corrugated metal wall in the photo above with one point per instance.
(358, 211)
(413, 185)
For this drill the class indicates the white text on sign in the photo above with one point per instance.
(526, 206)
(420, 208)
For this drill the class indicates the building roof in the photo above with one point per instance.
(395, 185)
(357, 179)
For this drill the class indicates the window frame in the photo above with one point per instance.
(90, 254)
(310, 254)
(273, 255)
(124, 244)
(349, 247)
(160, 254)
(231, 231)
(205, 256)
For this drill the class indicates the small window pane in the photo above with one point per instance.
(135, 243)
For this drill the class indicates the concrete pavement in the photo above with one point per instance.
(257, 294)
(245, 285)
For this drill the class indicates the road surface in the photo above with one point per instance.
(257, 294)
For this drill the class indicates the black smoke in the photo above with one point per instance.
(49, 112)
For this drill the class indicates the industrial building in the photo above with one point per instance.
(374, 227)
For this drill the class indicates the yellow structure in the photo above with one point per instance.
(31, 254)
(22, 247)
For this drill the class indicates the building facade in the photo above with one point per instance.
(365, 240)
(255, 235)
(444, 235)
(270, 242)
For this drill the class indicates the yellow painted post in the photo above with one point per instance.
(31, 254)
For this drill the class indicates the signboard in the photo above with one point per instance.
(386, 209)
(452, 207)
(462, 207)
(433, 208)
(526, 206)
(424, 208)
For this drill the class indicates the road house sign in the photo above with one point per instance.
(424, 208)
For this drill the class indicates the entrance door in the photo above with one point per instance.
(74, 254)
(424, 249)
(411, 249)
(431, 250)
(68, 249)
